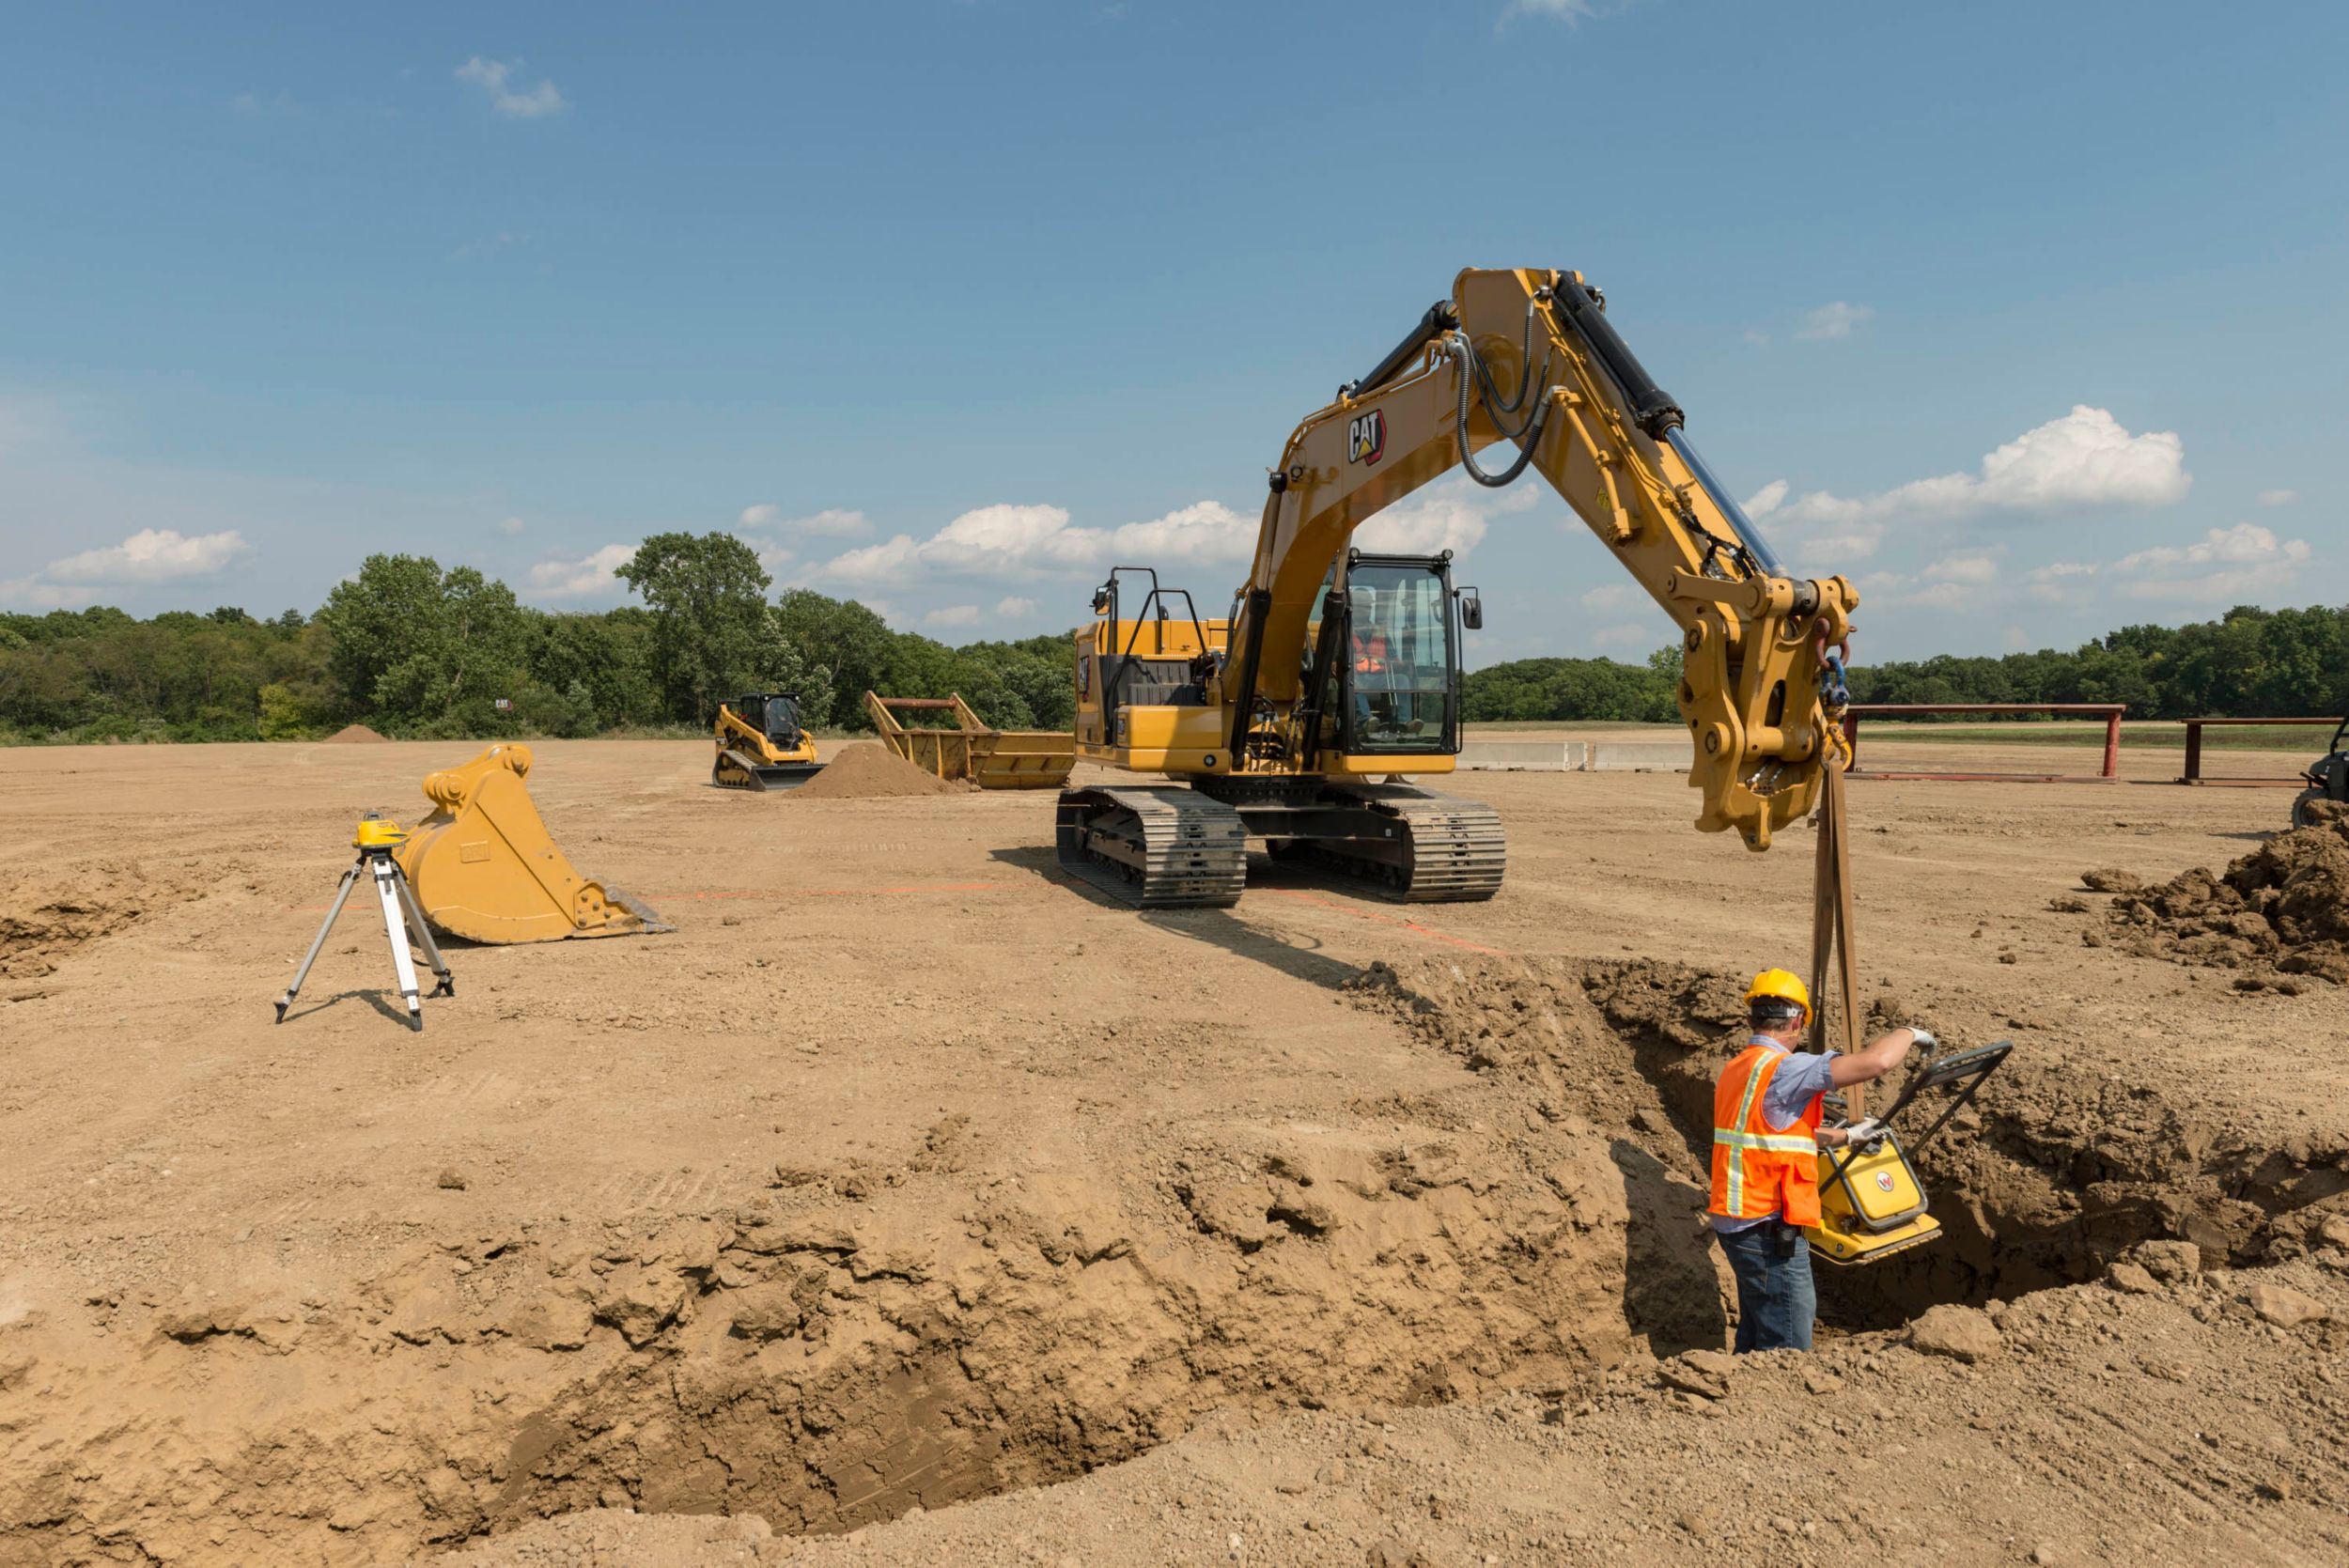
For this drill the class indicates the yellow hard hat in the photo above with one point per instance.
(1784, 986)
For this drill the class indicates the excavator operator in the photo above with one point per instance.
(1373, 703)
(1767, 1106)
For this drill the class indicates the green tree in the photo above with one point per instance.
(427, 651)
(707, 597)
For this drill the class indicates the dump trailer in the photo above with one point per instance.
(483, 867)
(991, 758)
(762, 744)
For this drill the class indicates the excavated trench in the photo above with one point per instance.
(940, 1325)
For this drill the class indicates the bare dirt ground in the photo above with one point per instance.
(905, 1175)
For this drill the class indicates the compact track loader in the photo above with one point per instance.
(483, 867)
(1871, 1204)
(761, 744)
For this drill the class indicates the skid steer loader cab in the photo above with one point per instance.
(772, 714)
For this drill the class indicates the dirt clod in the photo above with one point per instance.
(1965, 1333)
(2283, 1306)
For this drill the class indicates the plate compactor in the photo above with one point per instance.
(1871, 1204)
(762, 745)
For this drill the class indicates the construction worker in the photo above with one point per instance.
(1370, 652)
(1766, 1138)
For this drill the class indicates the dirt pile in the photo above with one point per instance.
(350, 734)
(871, 771)
(45, 920)
(2278, 913)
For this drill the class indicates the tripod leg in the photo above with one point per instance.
(342, 895)
(387, 892)
(447, 987)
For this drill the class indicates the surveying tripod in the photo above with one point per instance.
(376, 839)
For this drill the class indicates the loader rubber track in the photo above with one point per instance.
(1156, 848)
(738, 771)
(1452, 851)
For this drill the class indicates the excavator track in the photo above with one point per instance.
(1153, 847)
(1449, 851)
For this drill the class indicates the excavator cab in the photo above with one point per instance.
(1390, 650)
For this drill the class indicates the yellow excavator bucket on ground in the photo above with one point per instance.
(484, 868)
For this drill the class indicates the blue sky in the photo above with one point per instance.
(2028, 317)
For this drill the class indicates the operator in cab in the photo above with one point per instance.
(1766, 1138)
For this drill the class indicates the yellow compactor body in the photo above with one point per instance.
(484, 867)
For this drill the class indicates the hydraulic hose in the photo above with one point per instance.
(1747, 532)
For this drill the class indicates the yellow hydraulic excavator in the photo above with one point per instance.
(484, 867)
(1335, 667)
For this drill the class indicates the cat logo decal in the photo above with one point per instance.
(1367, 437)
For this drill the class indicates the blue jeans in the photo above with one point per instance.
(1776, 1301)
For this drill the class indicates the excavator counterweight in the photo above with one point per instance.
(483, 867)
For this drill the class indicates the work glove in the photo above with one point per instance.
(1925, 1042)
(1866, 1131)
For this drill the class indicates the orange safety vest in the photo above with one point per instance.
(1761, 1169)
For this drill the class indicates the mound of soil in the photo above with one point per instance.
(871, 771)
(350, 734)
(44, 922)
(2281, 910)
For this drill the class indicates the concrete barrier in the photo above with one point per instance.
(1639, 756)
(1521, 756)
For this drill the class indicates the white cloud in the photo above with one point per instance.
(833, 520)
(1836, 318)
(580, 579)
(1011, 607)
(507, 95)
(1202, 532)
(2279, 498)
(1952, 581)
(2222, 567)
(1629, 634)
(1612, 596)
(953, 615)
(1568, 11)
(879, 563)
(151, 555)
(1012, 540)
(2082, 461)
(511, 526)
(1025, 541)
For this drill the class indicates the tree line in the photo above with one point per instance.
(415, 649)
(2248, 663)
